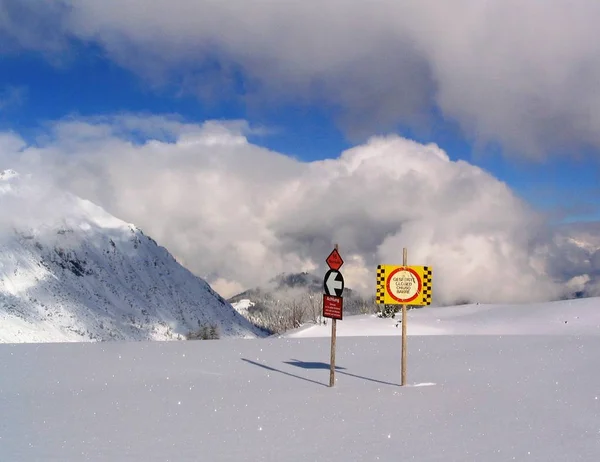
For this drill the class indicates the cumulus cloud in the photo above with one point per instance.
(238, 214)
(33, 25)
(24, 205)
(525, 74)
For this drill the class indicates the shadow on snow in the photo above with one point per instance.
(314, 365)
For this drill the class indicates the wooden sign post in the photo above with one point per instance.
(333, 303)
(332, 359)
(404, 285)
(404, 333)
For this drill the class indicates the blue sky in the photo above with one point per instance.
(36, 90)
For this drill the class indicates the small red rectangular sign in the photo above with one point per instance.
(333, 307)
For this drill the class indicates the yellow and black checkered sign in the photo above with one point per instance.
(404, 285)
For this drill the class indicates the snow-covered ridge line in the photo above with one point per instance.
(70, 271)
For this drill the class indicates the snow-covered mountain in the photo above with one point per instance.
(290, 299)
(69, 271)
(294, 286)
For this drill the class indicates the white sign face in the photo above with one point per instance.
(403, 285)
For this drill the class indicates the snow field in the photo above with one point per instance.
(530, 397)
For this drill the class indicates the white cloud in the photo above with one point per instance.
(33, 25)
(238, 214)
(522, 73)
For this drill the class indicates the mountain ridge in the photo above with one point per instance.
(291, 299)
(69, 271)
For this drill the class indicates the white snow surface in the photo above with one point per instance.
(495, 397)
(568, 317)
(69, 271)
(242, 306)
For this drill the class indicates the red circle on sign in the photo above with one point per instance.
(414, 273)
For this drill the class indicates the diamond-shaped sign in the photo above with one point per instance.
(334, 260)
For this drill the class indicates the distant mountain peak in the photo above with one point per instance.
(292, 298)
(296, 280)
